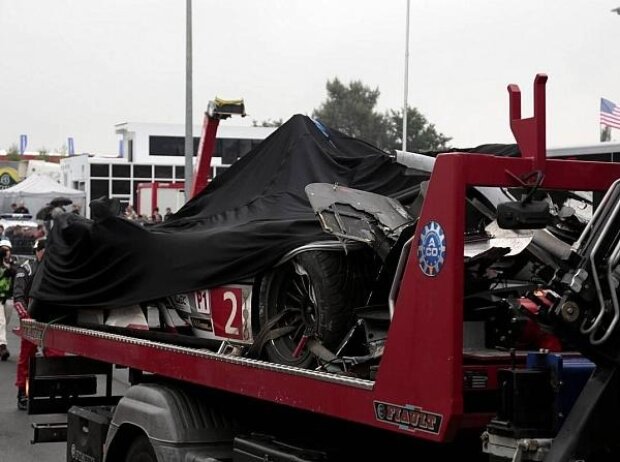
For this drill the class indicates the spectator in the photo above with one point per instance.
(75, 208)
(21, 300)
(1, 232)
(7, 271)
(130, 213)
(40, 232)
(156, 217)
(21, 208)
(57, 211)
(168, 213)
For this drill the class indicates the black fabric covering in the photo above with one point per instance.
(504, 150)
(239, 226)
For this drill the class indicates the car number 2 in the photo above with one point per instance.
(226, 306)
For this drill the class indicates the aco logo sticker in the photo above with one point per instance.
(432, 249)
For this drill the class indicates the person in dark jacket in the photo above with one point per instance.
(21, 300)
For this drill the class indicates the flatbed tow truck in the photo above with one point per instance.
(431, 398)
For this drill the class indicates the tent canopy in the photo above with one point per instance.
(36, 191)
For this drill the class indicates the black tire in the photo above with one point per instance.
(141, 450)
(6, 180)
(320, 289)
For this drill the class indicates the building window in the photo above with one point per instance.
(230, 150)
(169, 145)
(130, 150)
(143, 171)
(179, 173)
(102, 170)
(219, 147)
(163, 171)
(99, 188)
(121, 171)
(124, 204)
(121, 187)
(219, 170)
(245, 146)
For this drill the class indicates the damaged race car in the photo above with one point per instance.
(294, 255)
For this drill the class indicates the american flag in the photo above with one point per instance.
(610, 114)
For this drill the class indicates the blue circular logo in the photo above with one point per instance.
(432, 249)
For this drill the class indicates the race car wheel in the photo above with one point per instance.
(313, 294)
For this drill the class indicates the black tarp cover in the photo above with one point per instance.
(237, 227)
(496, 149)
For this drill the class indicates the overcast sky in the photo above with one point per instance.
(77, 67)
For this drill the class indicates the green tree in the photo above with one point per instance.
(13, 153)
(421, 135)
(43, 154)
(351, 109)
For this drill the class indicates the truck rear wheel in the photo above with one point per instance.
(313, 294)
(141, 450)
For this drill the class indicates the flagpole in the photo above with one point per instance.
(189, 137)
(406, 79)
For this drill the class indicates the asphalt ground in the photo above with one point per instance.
(15, 425)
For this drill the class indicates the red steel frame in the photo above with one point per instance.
(422, 366)
(202, 171)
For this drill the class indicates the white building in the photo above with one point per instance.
(604, 152)
(152, 153)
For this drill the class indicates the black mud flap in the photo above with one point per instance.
(87, 431)
(255, 448)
